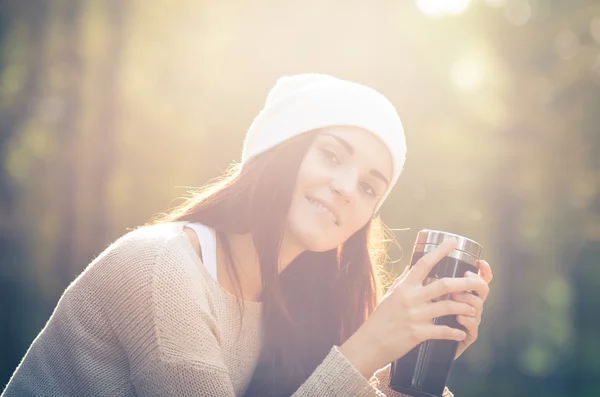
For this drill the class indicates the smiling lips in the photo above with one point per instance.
(323, 207)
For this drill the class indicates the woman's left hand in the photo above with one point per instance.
(471, 324)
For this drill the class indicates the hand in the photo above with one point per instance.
(404, 317)
(471, 323)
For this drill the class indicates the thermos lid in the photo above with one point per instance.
(436, 237)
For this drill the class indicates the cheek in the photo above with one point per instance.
(310, 172)
(312, 235)
(309, 230)
(301, 220)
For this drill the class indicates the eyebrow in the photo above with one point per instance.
(351, 150)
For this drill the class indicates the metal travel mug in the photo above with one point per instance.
(424, 370)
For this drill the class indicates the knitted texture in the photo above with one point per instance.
(145, 318)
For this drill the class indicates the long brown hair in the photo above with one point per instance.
(321, 298)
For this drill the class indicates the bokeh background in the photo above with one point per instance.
(111, 110)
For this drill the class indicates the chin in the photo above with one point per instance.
(319, 247)
(311, 237)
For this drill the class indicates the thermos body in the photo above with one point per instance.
(423, 372)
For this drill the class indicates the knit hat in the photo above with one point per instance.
(305, 102)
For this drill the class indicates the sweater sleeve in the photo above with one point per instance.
(381, 380)
(336, 376)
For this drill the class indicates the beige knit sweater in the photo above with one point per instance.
(146, 318)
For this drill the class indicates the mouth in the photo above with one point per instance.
(324, 208)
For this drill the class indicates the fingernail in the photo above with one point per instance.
(469, 274)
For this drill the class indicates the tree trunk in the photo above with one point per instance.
(15, 290)
(67, 132)
(107, 122)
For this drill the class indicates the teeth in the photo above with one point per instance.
(323, 208)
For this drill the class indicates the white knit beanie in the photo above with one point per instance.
(305, 102)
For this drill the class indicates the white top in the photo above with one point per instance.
(208, 243)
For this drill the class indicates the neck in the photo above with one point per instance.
(245, 256)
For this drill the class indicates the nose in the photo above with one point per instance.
(344, 183)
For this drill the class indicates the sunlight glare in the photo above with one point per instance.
(467, 74)
(495, 3)
(438, 8)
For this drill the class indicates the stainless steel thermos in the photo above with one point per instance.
(424, 370)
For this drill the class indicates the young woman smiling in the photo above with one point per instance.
(264, 283)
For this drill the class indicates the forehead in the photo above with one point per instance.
(369, 150)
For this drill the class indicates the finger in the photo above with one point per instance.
(481, 289)
(472, 300)
(471, 327)
(448, 285)
(424, 265)
(443, 332)
(399, 279)
(485, 271)
(446, 308)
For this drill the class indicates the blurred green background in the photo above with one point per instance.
(110, 110)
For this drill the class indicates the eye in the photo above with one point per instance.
(330, 155)
(370, 190)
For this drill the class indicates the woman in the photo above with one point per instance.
(266, 282)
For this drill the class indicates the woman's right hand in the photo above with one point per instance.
(404, 317)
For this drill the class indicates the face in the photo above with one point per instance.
(340, 182)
